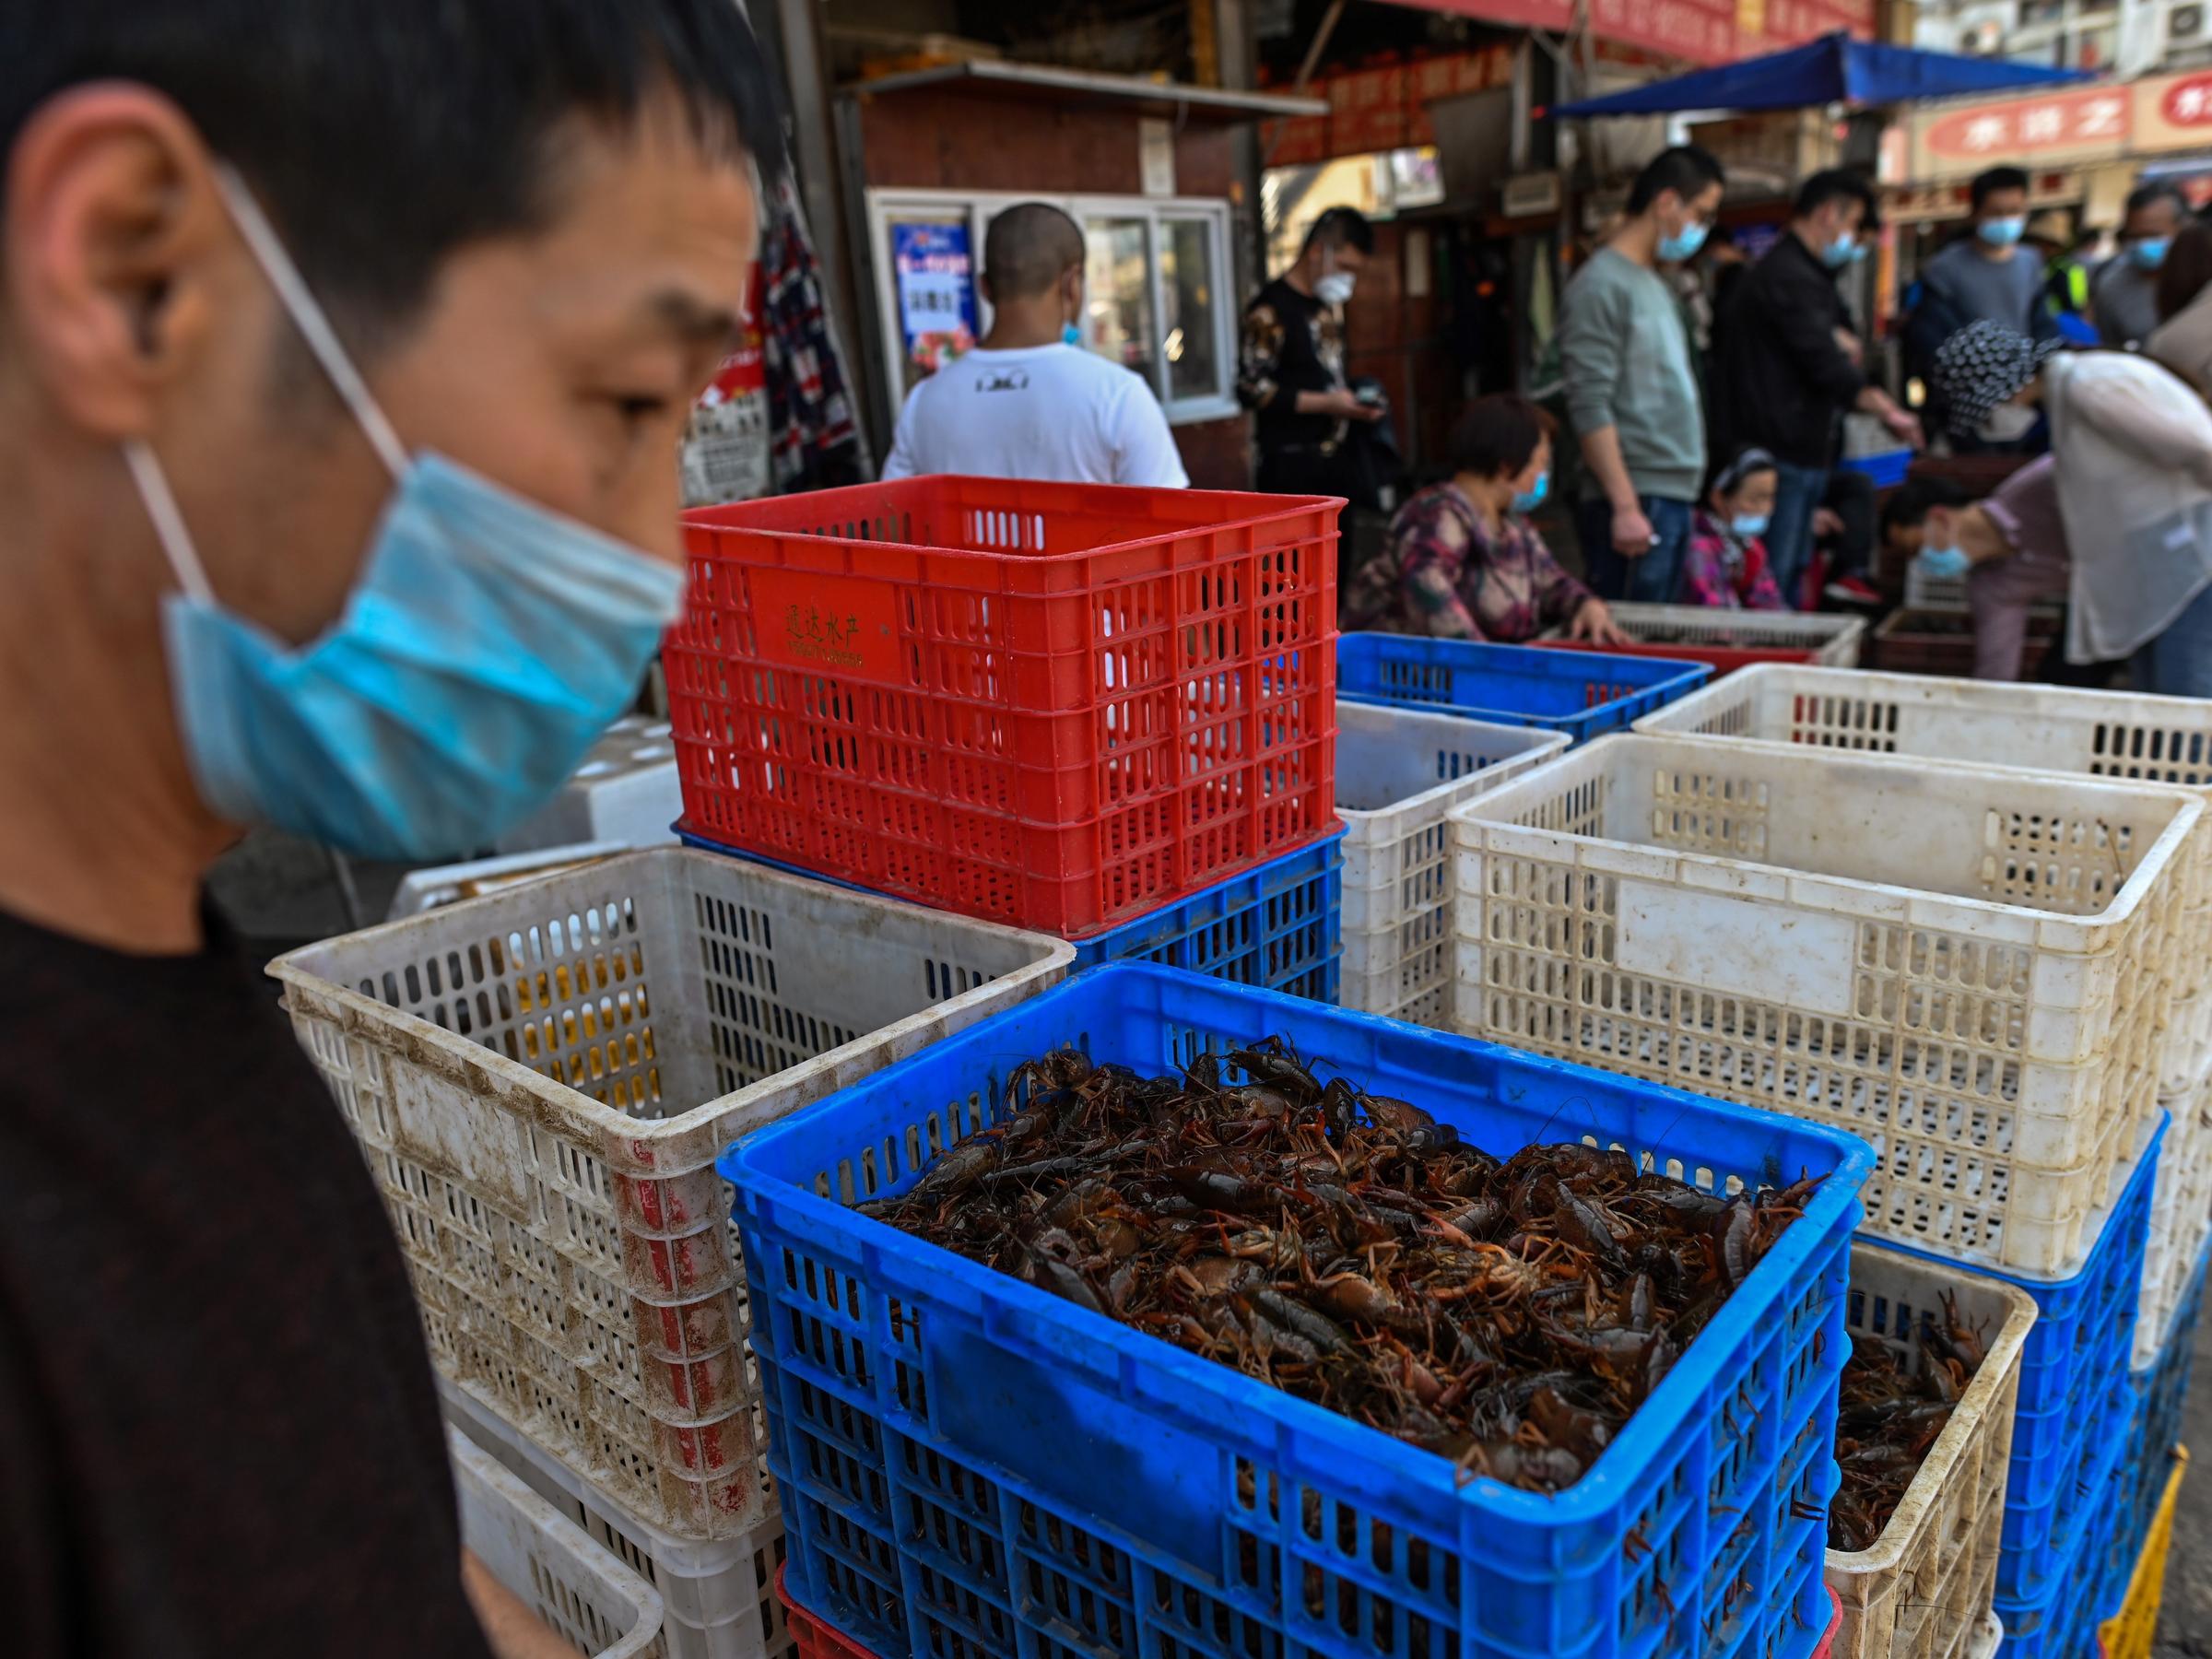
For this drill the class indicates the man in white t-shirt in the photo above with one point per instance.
(1030, 401)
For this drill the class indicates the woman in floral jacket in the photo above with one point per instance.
(1462, 562)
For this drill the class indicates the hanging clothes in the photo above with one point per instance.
(815, 442)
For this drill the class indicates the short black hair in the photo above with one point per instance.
(1987, 185)
(1835, 185)
(1688, 170)
(1909, 506)
(1342, 228)
(1028, 247)
(382, 134)
(2150, 194)
(1496, 436)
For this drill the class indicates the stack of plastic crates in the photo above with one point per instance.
(2165, 740)
(1924, 1589)
(1947, 960)
(974, 1466)
(1057, 706)
(1726, 640)
(541, 1080)
(1579, 694)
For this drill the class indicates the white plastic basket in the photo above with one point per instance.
(1832, 640)
(2046, 728)
(582, 1592)
(1924, 1591)
(1398, 771)
(2181, 1216)
(1948, 960)
(713, 1599)
(625, 790)
(542, 1079)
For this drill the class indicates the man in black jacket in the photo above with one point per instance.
(1787, 362)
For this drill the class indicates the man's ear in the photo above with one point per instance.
(113, 229)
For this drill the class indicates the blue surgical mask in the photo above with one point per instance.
(1944, 562)
(2149, 254)
(1748, 524)
(1071, 333)
(2003, 232)
(1684, 243)
(487, 643)
(1841, 252)
(1528, 500)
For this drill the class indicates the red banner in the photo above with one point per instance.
(1382, 109)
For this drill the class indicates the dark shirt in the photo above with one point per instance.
(219, 1435)
(1292, 343)
(1779, 379)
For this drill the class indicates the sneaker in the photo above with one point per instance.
(1852, 590)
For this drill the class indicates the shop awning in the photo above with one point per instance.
(1173, 99)
(1833, 69)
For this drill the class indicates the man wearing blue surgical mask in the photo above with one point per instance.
(1987, 274)
(1631, 390)
(345, 352)
(2123, 295)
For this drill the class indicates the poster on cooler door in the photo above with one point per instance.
(935, 277)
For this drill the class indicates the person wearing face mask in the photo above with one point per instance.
(2183, 340)
(1290, 364)
(2131, 459)
(1986, 276)
(2123, 295)
(1726, 567)
(1462, 562)
(341, 489)
(1030, 402)
(1783, 377)
(1631, 393)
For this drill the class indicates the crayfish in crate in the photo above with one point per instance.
(1891, 1414)
(1509, 1316)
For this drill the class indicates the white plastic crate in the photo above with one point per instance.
(1398, 771)
(625, 790)
(1927, 592)
(1948, 960)
(1832, 640)
(439, 885)
(2181, 1216)
(715, 1599)
(1924, 1591)
(581, 1591)
(542, 1079)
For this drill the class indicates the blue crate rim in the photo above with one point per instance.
(2127, 899)
(1241, 1399)
(1642, 673)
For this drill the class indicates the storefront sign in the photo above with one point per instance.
(2048, 129)
(935, 277)
(2174, 111)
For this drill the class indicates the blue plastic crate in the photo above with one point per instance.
(972, 1468)
(2076, 1417)
(2060, 1621)
(1578, 692)
(1886, 470)
(2161, 1389)
(1279, 926)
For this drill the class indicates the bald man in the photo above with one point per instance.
(1030, 402)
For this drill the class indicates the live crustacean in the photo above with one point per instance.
(1890, 1416)
(1348, 1248)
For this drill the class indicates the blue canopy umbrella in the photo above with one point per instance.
(1833, 69)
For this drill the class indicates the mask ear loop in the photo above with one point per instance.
(307, 315)
(168, 523)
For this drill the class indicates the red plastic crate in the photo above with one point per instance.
(813, 1637)
(1055, 705)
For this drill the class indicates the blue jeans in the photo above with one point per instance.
(1798, 491)
(2179, 662)
(1650, 579)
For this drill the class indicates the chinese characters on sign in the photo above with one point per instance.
(2055, 126)
(2174, 111)
(830, 640)
(936, 279)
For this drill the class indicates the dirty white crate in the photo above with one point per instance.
(2181, 1216)
(625, 790)
(576, 1587)
(1924, 1591)
(1832, 640)
(1949, 960)
(715, 1598)
(541, 1080)
(1398, 771)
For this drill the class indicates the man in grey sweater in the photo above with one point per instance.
(1631, 393)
